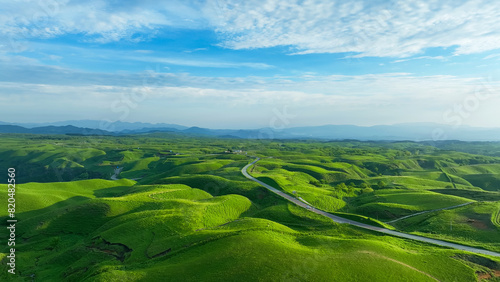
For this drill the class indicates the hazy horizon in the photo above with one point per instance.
(41, 123)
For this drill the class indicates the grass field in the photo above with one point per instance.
(475, 225)
(495, 217)
(175, 227)
(190, 215)
(485, 176)
(390, 204)
(477, 195)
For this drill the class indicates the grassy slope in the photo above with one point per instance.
(495, 216)
(486, 176)
(196, 217)
(392, 203)
(34, 196)
(158, 232)
(471, 225)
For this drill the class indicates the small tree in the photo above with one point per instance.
(381, 184)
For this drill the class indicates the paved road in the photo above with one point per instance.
(362, 225)
(117, 172)
(419, 213)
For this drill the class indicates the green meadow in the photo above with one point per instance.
(182, 211)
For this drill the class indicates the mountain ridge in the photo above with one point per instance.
(397, 132)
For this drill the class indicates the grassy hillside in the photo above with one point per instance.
(475, 225)
(390, 204)
(495, 217)
(181, 210)
(486, 176)
(159, 232)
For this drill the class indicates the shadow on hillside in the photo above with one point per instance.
(77, 215)
(269, 181)
(26, 220)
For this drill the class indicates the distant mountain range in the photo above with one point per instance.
(67, 129)
(116, 126)
(410, 131)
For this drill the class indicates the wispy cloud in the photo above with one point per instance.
(78, 75)
(144, 51)
(361, 99)
(440, 58)
(201, 63)
(96, 20)
(195, 50)
(366, 28)
(492, 56)
(361, 27)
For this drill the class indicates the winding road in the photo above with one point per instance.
(362, 225)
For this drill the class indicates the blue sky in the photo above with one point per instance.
(249, 64)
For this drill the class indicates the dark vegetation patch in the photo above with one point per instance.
(117, 250)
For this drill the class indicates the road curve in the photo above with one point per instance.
(362, 225)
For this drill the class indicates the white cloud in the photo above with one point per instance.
(97, 20)
(247, 101)
(395, 28)
(55, 57)
(440, 58)
(368, 28)
(492, 56)
(201, 63)
(144, 51)
(196, 50)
